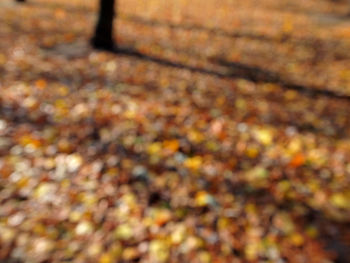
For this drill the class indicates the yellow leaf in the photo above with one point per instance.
(241, 104)
(63, 90)
(223, 223)
(130, 114)
(339, 200)
(94, 249)
(44, 189)
(84, 228)
(2, 59)
(294, 146)
(204, 257)
(252, 152)
(61, 104)
(75, 216)
(154, 148)
(159, 250)
(264, 136)
(251, 251)
(124, 232)
(296, 239)
(29, 140)
(179, 235)
(203, 199)
(195, 136)
(106, 258)
(288, 26)
(129, 254)
(193, 163)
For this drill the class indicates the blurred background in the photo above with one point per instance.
(215, 131)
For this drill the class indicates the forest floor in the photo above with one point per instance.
(224, 136)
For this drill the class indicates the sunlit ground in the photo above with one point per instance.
(223, 136)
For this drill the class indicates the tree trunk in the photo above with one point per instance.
(103, 37)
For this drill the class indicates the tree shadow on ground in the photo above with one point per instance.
(215, 31)
(230, 71)
(73, 8)
(236, 70)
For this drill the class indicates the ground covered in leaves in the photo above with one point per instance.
(224, 136)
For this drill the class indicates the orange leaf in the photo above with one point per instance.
(298, 160)
(41, 84)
